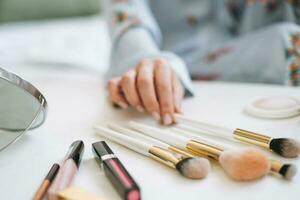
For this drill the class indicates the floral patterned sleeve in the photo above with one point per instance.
(292, 47)
(135, 35)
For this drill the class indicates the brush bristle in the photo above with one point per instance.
(245, 165)
(285, 147)
(194, 168)
(288, 171)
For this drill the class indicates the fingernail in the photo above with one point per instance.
(122, 105)
(179, 110)
(156, 116)
(140, 108)
(167, 119)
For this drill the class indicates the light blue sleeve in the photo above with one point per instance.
(135, 35)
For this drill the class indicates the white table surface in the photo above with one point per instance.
(77, 100)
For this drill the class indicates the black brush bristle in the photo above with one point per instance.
(181, 163)
(288, 171)
(193, 167)
(285, 147)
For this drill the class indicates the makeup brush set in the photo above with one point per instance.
(187, 148)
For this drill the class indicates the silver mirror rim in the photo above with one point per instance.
(28, 87)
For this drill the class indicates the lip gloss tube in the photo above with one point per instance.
(116, 172)
(67, 171)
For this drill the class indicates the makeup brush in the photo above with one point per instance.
(139, 135)
(287, 171)
(191, 134)
(242, 165)
(285, 147)
(135, 134)
(158, 143)
(190, 167)
(198, 132)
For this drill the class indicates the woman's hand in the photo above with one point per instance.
(152, 86)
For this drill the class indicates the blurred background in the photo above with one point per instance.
(57, 33)
(14, 10)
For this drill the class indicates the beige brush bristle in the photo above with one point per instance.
(245, 165)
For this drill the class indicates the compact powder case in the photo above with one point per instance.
(274, 107)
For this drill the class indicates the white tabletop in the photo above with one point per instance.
(77, 100)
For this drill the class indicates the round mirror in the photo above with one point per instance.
(22, 107)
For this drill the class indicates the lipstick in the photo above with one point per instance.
(116, 172)
(68, 170)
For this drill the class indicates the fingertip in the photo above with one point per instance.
(161, 62)
(156, 116)
(167, 119)
(122, 104)
(140, 108)
(178, 109)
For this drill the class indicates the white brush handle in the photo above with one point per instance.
(165, 136)
(213, 129)
(138, 135)
(196, 132)
(129, 142)
(204, 132)
(193, 136)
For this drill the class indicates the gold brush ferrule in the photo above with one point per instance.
(252, 138)
(201, 149)
(276, 166)
(180, 151)
(165, 156)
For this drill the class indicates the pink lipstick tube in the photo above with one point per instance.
(116, 172)
(68, 170)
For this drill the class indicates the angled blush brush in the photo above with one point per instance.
(287, 171)
(158, 143)
(243, 165)
(188, 166)
(285, 147)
